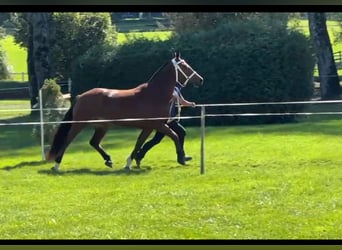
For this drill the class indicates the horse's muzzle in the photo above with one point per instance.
(198, 84)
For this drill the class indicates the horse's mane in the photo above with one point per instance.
(158, 70)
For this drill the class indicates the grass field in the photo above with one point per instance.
(16, 57)
(261, 182)
(158, 35)
(14, 108)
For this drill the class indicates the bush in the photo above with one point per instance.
(248, 62)
(53, 100)
(126, 67)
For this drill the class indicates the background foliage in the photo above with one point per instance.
(240, 61)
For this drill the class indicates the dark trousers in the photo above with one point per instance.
(175, 126)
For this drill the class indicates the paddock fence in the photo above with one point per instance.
(202, 117)
(19, 76)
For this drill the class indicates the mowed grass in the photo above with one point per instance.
(152, 35)
(16, 57)
(261, 182)
(14, 108)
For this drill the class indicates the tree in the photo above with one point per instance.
(76, 33)
(329, 79)
(4, 17)
(73, 34)
(38, 51)
(4, 73)
(62, 38)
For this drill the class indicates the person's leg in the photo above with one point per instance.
(181, 132)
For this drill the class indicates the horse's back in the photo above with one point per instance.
(103, 103)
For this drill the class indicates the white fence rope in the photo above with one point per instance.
(12, 89)
(165, 118)
(184, 117)
(21, 88)
(205, 105)
(202, 117)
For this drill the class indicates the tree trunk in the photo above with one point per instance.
(38, 52)
(329, 79)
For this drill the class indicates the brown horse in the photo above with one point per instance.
(145, 106)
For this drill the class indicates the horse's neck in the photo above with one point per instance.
(164, 81)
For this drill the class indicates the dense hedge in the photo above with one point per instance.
(241, 62)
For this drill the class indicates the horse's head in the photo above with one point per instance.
(184, 72)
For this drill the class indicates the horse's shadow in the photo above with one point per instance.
(87, 171)
(24, 164)
(81, 171)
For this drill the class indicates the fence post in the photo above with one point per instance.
(69, 85)
(202, 138)
(41, 124)
(22, 76)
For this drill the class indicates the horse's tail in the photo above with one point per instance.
(61, 135)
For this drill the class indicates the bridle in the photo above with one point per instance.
(179, 69)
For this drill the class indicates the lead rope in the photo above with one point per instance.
(178, 108)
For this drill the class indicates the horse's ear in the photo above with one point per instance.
(177, 54)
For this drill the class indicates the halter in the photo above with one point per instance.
(179, 69)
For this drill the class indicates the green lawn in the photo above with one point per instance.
(14, 108)
(125, 37)
(261, 182)
(16, 57)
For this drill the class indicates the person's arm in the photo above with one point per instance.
(184, 102)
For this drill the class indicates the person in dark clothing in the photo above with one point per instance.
(173, 122)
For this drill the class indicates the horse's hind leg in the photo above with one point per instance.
(95, 143)
(74, 130)
(140, 141)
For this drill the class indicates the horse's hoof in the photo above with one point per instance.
(137, 163)
(109, 164)
(127, 168)
(138, 159)
(53, 169)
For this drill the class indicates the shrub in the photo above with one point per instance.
(53, 104)
(124, 67)
(249, 62)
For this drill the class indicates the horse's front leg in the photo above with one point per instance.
(140, 141)
(95, 141)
